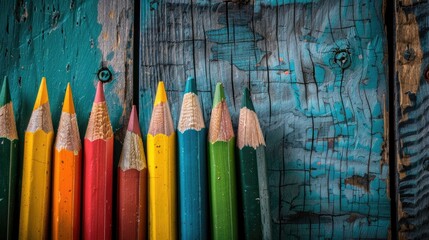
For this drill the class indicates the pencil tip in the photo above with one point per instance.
(99, 94)
(191, 85)
(133, 124)
(42, 95)
(4, 93)
(219, 94)
(161, 95)
(68, 105)
(246, 101)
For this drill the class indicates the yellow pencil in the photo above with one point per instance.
(161, 153)
(37, 169)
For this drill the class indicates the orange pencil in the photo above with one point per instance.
(132, 184)
(67, 174)
(98, 172)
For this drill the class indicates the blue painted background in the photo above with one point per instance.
(316, 70)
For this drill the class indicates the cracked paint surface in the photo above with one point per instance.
(316, 71)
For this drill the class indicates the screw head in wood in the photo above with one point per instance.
(104, 74)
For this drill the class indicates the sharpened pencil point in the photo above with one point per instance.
(68, 105)
(161, 95)
(4, 93)
(246, 101)
(219, 94)
(99, 94)
(42, 95)
(191, 86)
(133, 124)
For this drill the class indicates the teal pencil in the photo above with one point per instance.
(192, 144)
(8, 162)
(255, 211)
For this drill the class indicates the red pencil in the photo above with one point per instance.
(132, 184)
(98, 170)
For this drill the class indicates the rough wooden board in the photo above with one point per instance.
(68, 41)
(324, 125)
(411, 98)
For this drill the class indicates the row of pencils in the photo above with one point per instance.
(190, 192)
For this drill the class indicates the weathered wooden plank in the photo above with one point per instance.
(411, 98)
(68, 41)
(316, 70)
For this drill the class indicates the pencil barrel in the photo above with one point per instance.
(193, 189)
(161, 151)
(8, 175)
(250, 214)
(36, 175)
(97, 189)
(66, 195)
(132, 210)
(223, 196)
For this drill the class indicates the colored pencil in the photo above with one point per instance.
(98, 172)
(255, 212)
(161, 156)
(132, 184)
(34, 214)
(223, 200)
(8, 162)
(193, 189)
(66, 188)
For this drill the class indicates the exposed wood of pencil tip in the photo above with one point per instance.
(132, 156)
(7, 122)
(68, 133)
(249, 131)
(41, 119)
(41, 115)
(191, 116)
(220, 124)
(99, 126)
(161, 121)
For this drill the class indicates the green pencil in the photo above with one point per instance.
(8, 161)
(223, 200)
(255, 211)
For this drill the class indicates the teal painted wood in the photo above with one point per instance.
(411, 122)
(318, 77)
(192, 167)
(68, 41)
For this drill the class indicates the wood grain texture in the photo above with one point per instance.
(412, 103)
(317, 72)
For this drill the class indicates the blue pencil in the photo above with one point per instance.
(193, 206)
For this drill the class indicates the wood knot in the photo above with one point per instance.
(409, 54)
(342, 58)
